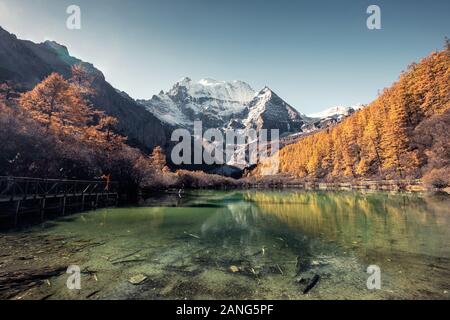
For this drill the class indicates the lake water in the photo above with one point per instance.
(262, 245)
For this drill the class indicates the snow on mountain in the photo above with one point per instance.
(237, 91)
(165, 109)
(224, 105)
(268, 111)
(329, 117)
(214, 102)
(335, 112)
(235, 105)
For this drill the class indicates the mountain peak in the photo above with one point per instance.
(213, 101)
(268, 111)
(237, 91)
(266, 91)
(221, 103)
(267, 94)
(184, 81)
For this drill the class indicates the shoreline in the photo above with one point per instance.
(414, 186)
(375, 185)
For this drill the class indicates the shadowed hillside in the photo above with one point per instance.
(25, 64)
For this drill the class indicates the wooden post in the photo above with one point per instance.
(16, 216)
(96, 201)
(82, 202)
(13, 194)
(25, 196)
(64, 206)
(42, 208)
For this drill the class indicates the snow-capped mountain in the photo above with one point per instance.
(220, 104)
(329, 117)
(235, 105)
(213, 102)
(335, 112)
(268, 111)
(238, 91)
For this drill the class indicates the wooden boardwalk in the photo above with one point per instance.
(29, 195)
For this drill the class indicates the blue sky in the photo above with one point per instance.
(314, 54)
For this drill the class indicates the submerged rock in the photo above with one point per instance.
(234, 269)
(315, 263)
(137, 279)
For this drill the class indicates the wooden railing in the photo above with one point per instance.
(17, 188)
(20, 195)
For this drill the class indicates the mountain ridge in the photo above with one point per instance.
(26, 63)
(336, 111)
(222, 104)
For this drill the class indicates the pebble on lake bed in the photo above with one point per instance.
(234, 269)
(315, 263)
(137, 279)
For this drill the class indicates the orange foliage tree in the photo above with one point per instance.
(53, 131)
(378, 141)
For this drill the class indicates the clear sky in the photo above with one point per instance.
(314, 54)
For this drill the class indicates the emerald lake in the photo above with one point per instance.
(257, 245)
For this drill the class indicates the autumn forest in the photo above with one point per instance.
(53, 131)
(404, 133)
